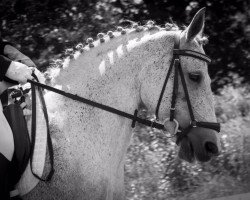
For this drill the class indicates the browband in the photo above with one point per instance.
(195, 54)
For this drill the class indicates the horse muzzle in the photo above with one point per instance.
(198, 141)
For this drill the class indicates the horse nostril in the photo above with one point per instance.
(211, 148)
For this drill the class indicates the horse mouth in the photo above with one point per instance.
(189, 154)
(186, 151)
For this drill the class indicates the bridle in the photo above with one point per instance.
(175, 63)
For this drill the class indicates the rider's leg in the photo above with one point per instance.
(6, 137)
(4, 186)
(6, 154)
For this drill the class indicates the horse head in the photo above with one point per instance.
(198, 143)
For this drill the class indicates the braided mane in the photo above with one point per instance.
(102, 38)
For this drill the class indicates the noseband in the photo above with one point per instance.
(175, 63)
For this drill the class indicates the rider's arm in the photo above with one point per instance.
(2, 46)
(4, 65)
(18, 70)
(15, 71)
(13, 54)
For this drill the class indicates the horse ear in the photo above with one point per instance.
(197, 24)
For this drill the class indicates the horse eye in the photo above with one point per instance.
(196, 77)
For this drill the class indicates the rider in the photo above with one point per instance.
(15, 68)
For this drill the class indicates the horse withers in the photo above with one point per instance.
(124, 69)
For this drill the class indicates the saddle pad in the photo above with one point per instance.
(28, 181)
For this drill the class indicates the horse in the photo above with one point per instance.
(124, 69)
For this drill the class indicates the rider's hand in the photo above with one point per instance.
(12, 53)
(19, 72)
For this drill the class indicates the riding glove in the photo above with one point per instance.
(19, 72)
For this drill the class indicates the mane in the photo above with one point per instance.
(73, 53)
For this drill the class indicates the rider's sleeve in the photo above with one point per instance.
(4, 65)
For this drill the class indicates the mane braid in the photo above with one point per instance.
(72, 53)
(203, 40)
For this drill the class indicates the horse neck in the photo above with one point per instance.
(108, 74)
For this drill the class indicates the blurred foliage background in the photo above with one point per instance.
(44, 29)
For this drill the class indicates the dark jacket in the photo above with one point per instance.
(4, 61)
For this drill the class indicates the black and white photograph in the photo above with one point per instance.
(124, 100)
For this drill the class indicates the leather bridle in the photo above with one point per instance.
(175, 63)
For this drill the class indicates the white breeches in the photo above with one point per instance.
(6, 136)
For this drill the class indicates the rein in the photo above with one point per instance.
(75, 97)
(33, 132)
